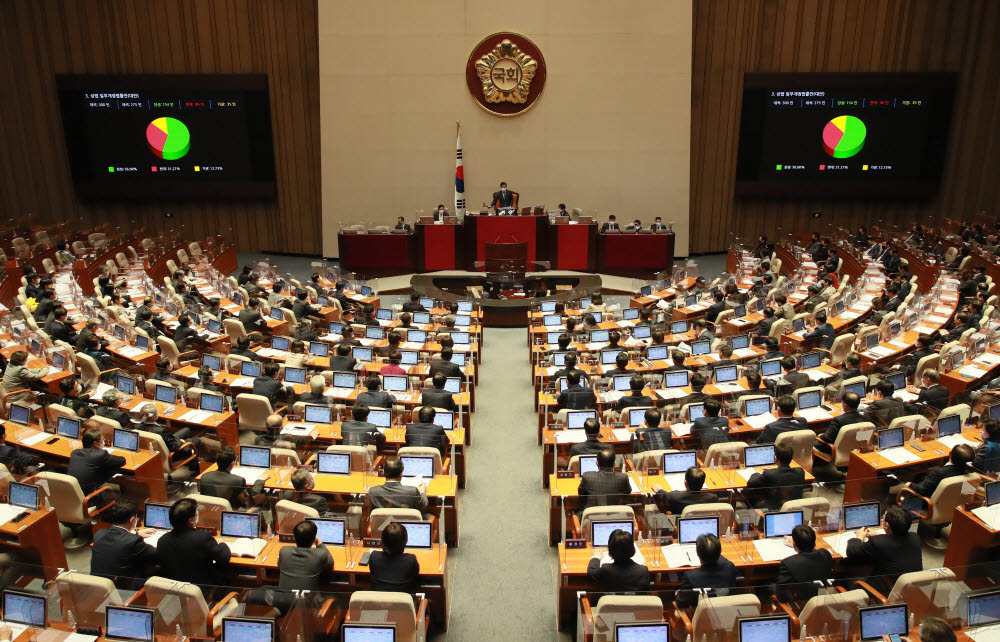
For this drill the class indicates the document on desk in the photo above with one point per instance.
(680, 555)
(634, 486)
(593, 347)
(728, 388)
(241, 382)
(989, 514)
(954, 440)
(922, 329)
(196, 416)
(100, 390)
(773, 549)
(937, 319)
(759, 421)
(906, 395)
(899, 455)
(247, 546)
(988, 360)
(411, 345)
(989, 633)
(35, 439)
(131, 351)
(611, 396)
(622, 434)
(412, 481)
(637, 558)
(972, 372)
(882, 351)
(155, 537)
(249, 474)
(745, 353)
(814, 414)
(671, 393)
(838, 542)
(847, 315)
(338, 392)
(747, 473)
(298, 430)
(625, 323)
(675, 481)
(16, 629)
(573, 436)
(8, 512)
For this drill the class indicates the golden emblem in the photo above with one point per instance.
(506, 73)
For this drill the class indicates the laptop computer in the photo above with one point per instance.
(726, 374)
(255, 457)
(250, 369)
(245, 629)
(636, 416)
(319, 349)
(236, 524)
(811, 360)
(770, 368)
(421, 318)
(211, 403)
(125, 385)
(630, 314)
(696, 411)
(547, 306)
(857, 388)
(417, 466)
(369, 632)
(346, 380)
(679, 462)
(781, 523)
(950, 425)
(621, 383)
(642, 332)
(642, 632)
(897, 379)
(212, 361)
(810, 399)
(416, 336)
(453, 385)
(677, 379)
(890, 438)
(23, 495)
(381, 417)
(701, 347)
(576, 418)
(128, 623)
(383, 314)
(20, 414)
(599, 336)
(428, 302)
(24, 608)
(992, 493)
(333, 463)
(141, 342)
(374, 332)
(395, 383)
(689, 529)
(316, 414)
(418, 534)
(798, 325)
(759, 455)
(411, 357)
(739, 341)
(361, 353)
(550, 320)
(588, 464)
(984, 609)
(330, 531)
(609, 357)
(754, 407)
(68, 427)
(861, 515)
(157, 516)
(600, 531)
(678, 327)
(877, 621)
(775, 628)
(657, 353)
(126, 440)
(280, 343)
(166, 394)
(444, 418)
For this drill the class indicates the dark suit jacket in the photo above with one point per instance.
(780, 484)
(121, 556)
(393, 494)
(678, 500)
(361, 433)
(825, 333)
(887, 409)
(191, 555)
(413, 306)
(16, 462)
(342, 364)
(301, 309)
(438, 398)
(846, 419)
(394, 572)
(93, 466)
(448, 368)
(315, 400)
(722, 575)
(251, 320)
(430, 435)
(115, 414)
(62, 332)
(268, 387)
(312, 500)
(577, 398)
(797, 379)
(503, 198)
(618, 576)
(891, 555)
(797, 573)
(782, 424)
(184, 337)
(633, 400)
(375, 399)
(221, 483)
(710, 430)
(610, 226)
(935, 396)
(659, 438)
(589, 447)
(302, 568)
(604, 488)
(929, 484)
(713, 311)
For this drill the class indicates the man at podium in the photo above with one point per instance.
(504, 199)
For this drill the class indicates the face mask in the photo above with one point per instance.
(195, 522)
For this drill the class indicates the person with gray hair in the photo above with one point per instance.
(144, 418)
(302, 483)
(273, 437)
(89, 330)
(109, 408)
(315, 396)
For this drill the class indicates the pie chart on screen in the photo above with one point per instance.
(168, 138)
(844, 136)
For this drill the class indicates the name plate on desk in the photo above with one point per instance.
(371, 542)
(565, 474)
(576, 543)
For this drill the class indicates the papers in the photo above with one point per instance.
(848, 315)
(838, 542)
(989, 360)
(882, 351)
(937, 319)
(899, 455)
(943, 311)
(747, 473)
(271, 352)
(637, 558)
(574, 436)
(250, 474)
(15, 629)
(671, 393)
(815, 374)
(241, 382)
(155, 537)
(698, 306)
(681, 430)
(411, 345)
(759, 421)
(412, 481)
(773, 549)
(594, 347)
(611, 396)
(247, 547)
(622, 434)
(989, 514)
(745, 353)
(461, 348)
(130, 351)
(922, 329)
(35, 439)
(338, 392)
(729, 387)
(984, 633)
(675, 481)
(900, 344)
(814, 414)
(634, 486)
(680, 555)
(906, 395)
(972, 372)
(100, 390)
(624, 323)
(365, 341)
(196, 416)
(8, 512)
(299, 430)
(954, 440)
(684, 347)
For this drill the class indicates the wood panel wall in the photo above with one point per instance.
(41, 38)
(736, 36)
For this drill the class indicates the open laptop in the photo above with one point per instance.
(890, 438)
(411, 357)
(417, 466)
(236, 524)
(395, 383)
(774, 628)
(319, 349)
(552, 320)
(576, 418)
(374, 332)
(630, 314)
(877, 621)
(333, 463)
(421, 318)
(811, 399)
(857, 388)
(608, 357)
(128, 623)
(257, 458)
(383, 314)
(600, 531)
(250, 369)
(678, 327)
(23, 495)
(677, 379)
(739, 341)
(689, 529)
(950, 425)
(770, 368)
(68, 427)
(897, 379)
(294, 375)
(212, 361)
(754, 407)
(739, 312)
(636, 416)
(125, 385)
(428, 302)
(861, 515)
(642, 632)
(810, 360)
(141, 342)
(642, 332)
(24, 608)
(598, 336)
(696, 411)
(418, 534)
(330, 531)
(316, 414)
(211, 403)
(621, 383)
(165, 394)
(992, 493)
(781, 523)
(984, 610)
(344, 383)
(381, 417)
(657, 353)
(453, 385)
(798, 325)
(588, 464)
(246, 629)
(444, 418)
(759, 455)
(701, 347)
(679, 462)
(20, 414)
(547, 306)
(157, 516)
(361, 353)
(126, 440)
(280, 343)
(416, 336)
(726, 374)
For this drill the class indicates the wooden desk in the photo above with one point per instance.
(972, 542)
(50, 381)
(39, 542)
(958, 383)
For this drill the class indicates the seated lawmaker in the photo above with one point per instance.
(605, 486)
(798, 574)
(575, 396)
(189, 554)
(715, 573)
(359, 431)
(374, 396)
(427, 433)
(961, 456)
(710, 429)
(302, 485)
(120, 553)
(779, 484)
(593, 443)
(393, 494)
(898, 551)
(677, 500)
(392, 568)
(622, 573)
(652, 436)
(636, 398)
(233, 488)
(437, 396)
(786, 421)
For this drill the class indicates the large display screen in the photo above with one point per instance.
(168, 136)
(843, 135)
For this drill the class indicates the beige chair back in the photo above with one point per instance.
(911, 424)
(254, 411)
(650, 458)
(288, 514)
(725, 512)
(929, 593)
(194, 249)
(830, 612)
(87, 595)
(778, 328)
(380, 517)
(801, 442)
(624, 609)
(210, 510)
(848, 441)
(388, 608)
(65, 496)
(727, 453)
(718, 616)
(962, 410)
(122, 260)
(361, 456)
(813, 508)
(168, 350)
(234, 328)
(285, 457)
(90, 372)
(177, 604)
(48, 265)
(603, 514)
(949, 495)
(841, 348)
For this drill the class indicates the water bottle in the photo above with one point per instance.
(802, 632)
(178, 633)
(71, 620)
(729, 532)
(826, 630)
(911, 622)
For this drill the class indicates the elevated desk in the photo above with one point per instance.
(635, 254)
(378, 254)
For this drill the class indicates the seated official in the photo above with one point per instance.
(250, 317)
(575, 396)
(716, 572)
(823, 331)
(934, 629)
(143, 417)
(300, 567)
(773, 350)
(636, 398)
(987, 457)
(710, 429)
(18, 376)
(897, 552)
(243, 349)
(798, 574)
(70, 397)
(849, 369)
(301, 308)
(792, 378)
(414, 304)
(91, 465)
(359, 431)
(621, 366)
(702, 331)
(445, 366)
(302, 484)
(233, 488)
(438, 396)
(426, 432)
(764, 325)
(885, 408)
(341, 360)
(374, 396)
(392, 568)
(961, 456)
(781, 483)
(393, 494)
(189, 554)
(61, 329)
(568, 367)
(393, 360)
(677, 500)
(756, 385)
(851, 415)
(652, 436)
(678, 358)
(185, 336)
(933, 394)
(272, 436)
(593, 443)
(315, 396)
(605, 486)
(622, 573)
(697, 395)
(268, 385)
(109, 408)
(16, 462)
(718, 305)
(611, 225)
(120, 553)
(725, 359)
(786, 421)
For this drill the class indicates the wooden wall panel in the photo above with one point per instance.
(276, 37)
(732, 37)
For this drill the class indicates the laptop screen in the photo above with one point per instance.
(319, 349)
(770, 368)
(576, 418)
(689, 529)
(211, 403)
(871, 340)
(599, 336)
(642, 332)
(759, 455)
(636, 416)
(678, 327)
(621, 383)
(877, 621)
(333, 463)
(128, 623)
(381, 417)
(696, 411)
(416, 336)
(374, 332)
(444, 418)
(280, 343)
(212, 361)
(461, 338)
(125, 385)
(992, 493)
(276, 314)
(240, 524)
(418, 534)
(140, 342)
(754, 407)
(417, 466)
(255, 456)
(810, 360)
(427, 302)
(550, 320)
(810, 399)
(984, 609)
(68, 427)
(366, 290)
(726, 374)
(739, 311)
(336, 327)
(740, 341)
(656, 353)
(453, 385)
(250, 369)
(588, 464)
(781, 524)
(645, 290)
(642, 632)
(861, 515)
(126, 440)
(166, 394)
(329, 531)
(239, 629)
(383, 314)
(798, 325)
(609, 356)
(890, 438)
(898, 380)
(601, 531)
(214, 326)
(552, 338)
(24, 608)
(458, 358)
(344, 379)
(699, 348)
(677, 379)
(950, 425)
(679, 462)
(157, 516)
(361, 353)
(766, 629)
(690, 300)
(630, 314)
(410, 357)
(23, 495)
(394, 383)
(314, 414)
(857, 388)
(421, 318)
(548, 306)
(465, 306)
(20, 414)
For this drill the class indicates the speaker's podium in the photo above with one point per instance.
(507, 263)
